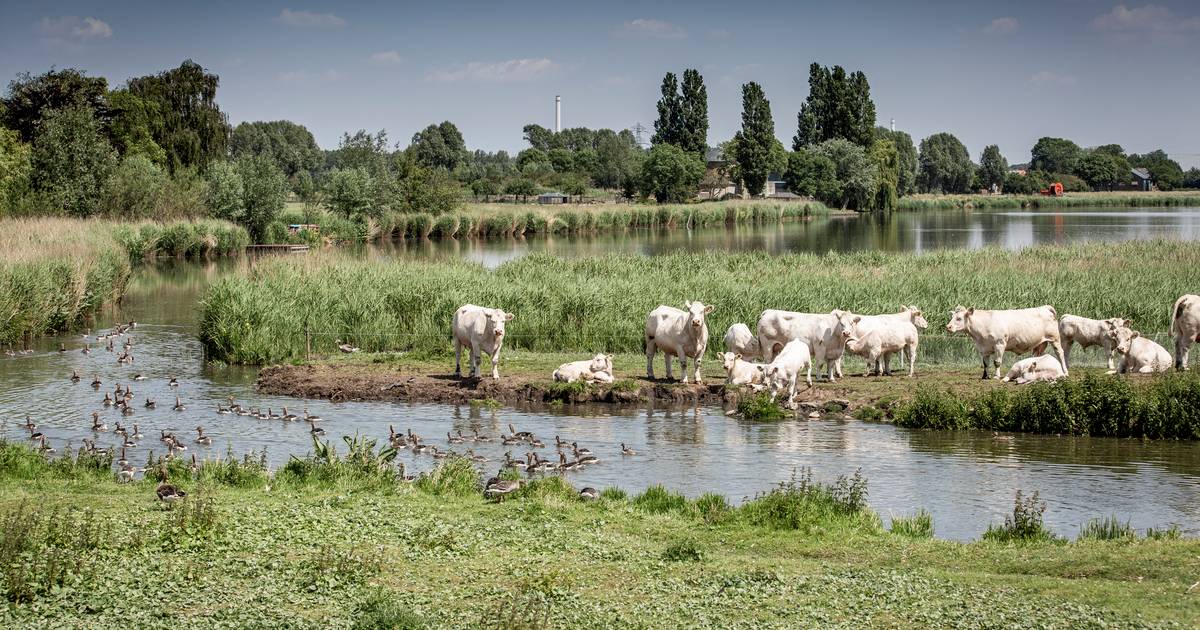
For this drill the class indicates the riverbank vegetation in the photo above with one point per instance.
(435, 553)
(55, 273)
(1073, 200)
(600, 304)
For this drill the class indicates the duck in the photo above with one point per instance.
(501, 488)
(625, 450)
(452, 439)
(589, 494)
(96, 381)
(97, 425)
(174, 382)
(315, 430)
(202, 439)
(580, 451)
(168, 493)
(178, 405)
(74, 376)
(150, 403)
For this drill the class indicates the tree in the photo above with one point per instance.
(362, 150)
(520, 187)
(225, 192)
(133, 189)
(348, 192)
(15, 169)
(1055, 155)
(190, 127)
(30, 99)
(529, 157)
(906, 151)
(439, 146)
(264, 192)
(856, 174)
(561, 160)
(813, 175)
(1166, 172)
(838, 106)
(1191, 178)
(992, 167)
(1102, 170)
(945, 165)
(617, 158)
(886, 161)
(290, 145)
(72, 160)
(539, 137)
(756, 140)
(671, 174)
(668, 129)
(484, 187)
(693, 114)
(131, 127)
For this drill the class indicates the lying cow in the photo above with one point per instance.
(1017, 331)
(482, 330)
(1185, 327)
(598, 369)
(677, 333)
(784, 370)
(1138, 353)
(1041, 368)
(1086, 332)
(824, 334)
(741, 372)
(877, 337)
(739, 340)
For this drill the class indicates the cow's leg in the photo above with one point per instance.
(683, 362)
(651, 349)
(1058, 347)
(808, 377)
(912, 359)
(475, 359)
(791, 401)
(1183, 344)
(997, 359)
(838, 364)
(667, 357)
(458, 348)
(698, 359)
(1066, 355)
(496, 364)
(986, 357)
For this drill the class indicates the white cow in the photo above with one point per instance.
(1040, 368)
(742, 372)
(1017, 331)
(1086, 332)
(482, 330)
(739, 340)
(677, 333)
(597, 369)
(1185, 327)
(878, 337)
(784, 371)
(824, 334)
(1138, 353)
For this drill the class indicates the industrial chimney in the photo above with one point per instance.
(557, 113)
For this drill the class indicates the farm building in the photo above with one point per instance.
(717, 185)
(553, 197)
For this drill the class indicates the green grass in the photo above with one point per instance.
(1110, 528)
(1070, 200)
(82, 550)
(919, 525)
(600, 304)
(760, 408)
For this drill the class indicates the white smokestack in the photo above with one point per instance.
(557, 113)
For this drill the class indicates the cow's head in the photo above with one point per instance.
(601, 363)
(918, 319)
(777, 379)
(958, 319)
(1122, 334)
(846, 322)
(696, 312)
(496, 319)
(729, 359)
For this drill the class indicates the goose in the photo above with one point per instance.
(35, 435)
(509, 462)
(178, 405)
(345, 347)
(509, 440)
(315, 430)
(402, 476)
(454, 439)
(563, 464)
(108, 401)
(545, 465)
(139, 377)
(165, 437)
(244, 411)
(589, 494)
(46, 448)
(97, 425)
(308, 417)
(109, 347)
(420, 448)
(531, 463)
(202, 439)
(137, 435)
(413, 437)
(195, 467)
(29, 423)
(126, 410)
(438, 453)
(271, 415)
(125, 475)
(174, 382)
(503, 487)
(168, 493)
(119, 390)
(625, 450)
(479, 437)
(119, 429)
(1003, 438)
(480, 459)
(288, 417)
(524, 435)
(74, 376)
(223, 410)
(96, 381)
(580, 451)
(150, 403)
(127, 443)
(536, 443)
(588, 460)
(87, 349)
(9, 351)
(62, 347)
(123, 461)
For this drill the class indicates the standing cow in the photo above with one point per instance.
(877, 337)
(1185, 327)
(1017, 331)
(739, 340)
(824, 334)
(1086, 332)
(677, 333)
(482, 330)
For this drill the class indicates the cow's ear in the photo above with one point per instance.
(1127, 323)
(970, 310)
(1135, 335)
(737, 356)
(508, 317)
(761, 368)
(1111, 325)
(857, 318)
(960, 307)
(709, 308)
(687, 304)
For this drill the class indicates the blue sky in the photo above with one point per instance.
(1004, 73)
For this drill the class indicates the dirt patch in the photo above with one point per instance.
(340, 382)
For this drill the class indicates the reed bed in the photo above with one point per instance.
(1071, 200)
(271, 313)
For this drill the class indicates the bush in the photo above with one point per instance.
(760, 408)
(1025, 524)
(804, 504)
(658, 500)
(685, 550)
(383, 611)
(933, 409)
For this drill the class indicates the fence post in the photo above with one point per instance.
(307, 342)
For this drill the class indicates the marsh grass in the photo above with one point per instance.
(1072, 200)
(919, 525)
(658, 500)
(760, 408)
(453, 477)
(363, 463)
(1163, 533)
(801, 503)
(1110, 528)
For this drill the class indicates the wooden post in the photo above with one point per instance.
(307, 342)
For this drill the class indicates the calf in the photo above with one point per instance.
(1185, 327)
(739, 340)
(1040, 368)
(677, 333)
(886, 335)
(1138, 353)
(482, 330)
(597, 369)
(785, 369)
(1086, 332)
(1017, 331)
(740, 372)
(824, 334)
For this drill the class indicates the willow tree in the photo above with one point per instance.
(190, 127)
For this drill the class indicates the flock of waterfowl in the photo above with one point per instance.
(570, 455)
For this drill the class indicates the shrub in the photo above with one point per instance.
(685, 550)
(383, 611)
(933, 409)
(658, 500)
(1025, 524)
(760, 408)
(804, 504)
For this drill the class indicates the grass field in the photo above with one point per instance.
(1070, 200)
(335, 542)
(268, 313)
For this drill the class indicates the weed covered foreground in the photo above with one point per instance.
(341, 550)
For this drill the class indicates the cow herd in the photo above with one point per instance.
(791, 344)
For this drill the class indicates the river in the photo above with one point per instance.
(965, 479)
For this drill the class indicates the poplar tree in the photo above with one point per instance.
(756, 138)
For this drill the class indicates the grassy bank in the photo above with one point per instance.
(1070, 200)
(494, 220)
(56, 273)
(600, 304)
(335, 541)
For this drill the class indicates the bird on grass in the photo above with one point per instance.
(169, 494)
(499, 488)
(589, 494)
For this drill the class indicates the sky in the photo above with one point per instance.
(1001, 73)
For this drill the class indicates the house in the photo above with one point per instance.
(1142, 179)
(717, 184)
(553, 197)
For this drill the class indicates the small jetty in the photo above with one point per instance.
(279, 248)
